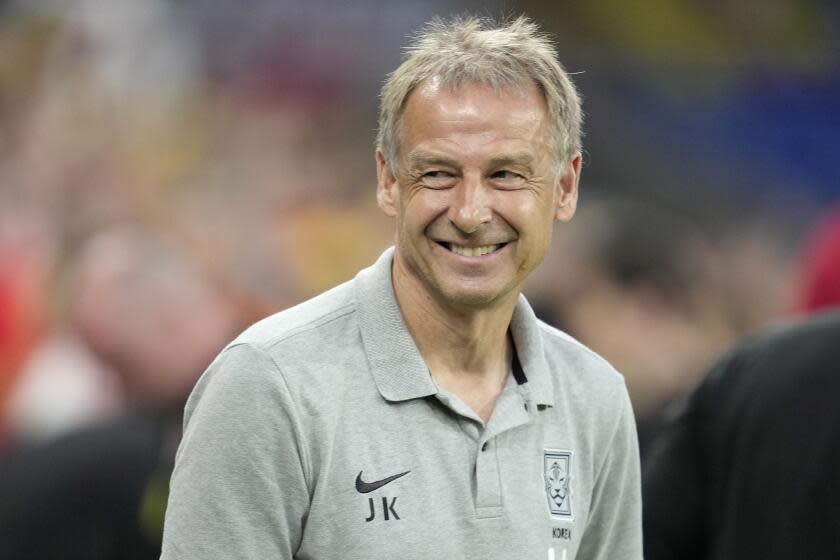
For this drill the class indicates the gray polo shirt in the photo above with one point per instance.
(319, 433)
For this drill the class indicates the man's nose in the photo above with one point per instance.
(470, 204)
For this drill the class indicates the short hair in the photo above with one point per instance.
(477, 51)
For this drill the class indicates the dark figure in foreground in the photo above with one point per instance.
(750, 465)
(97, 493)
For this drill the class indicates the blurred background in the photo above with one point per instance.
(171, 171)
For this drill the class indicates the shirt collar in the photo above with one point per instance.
(528, 341)
(398, 368)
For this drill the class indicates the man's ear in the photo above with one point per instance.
(567, 189)
(386, 185)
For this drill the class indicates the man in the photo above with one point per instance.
(750, 466)
(415, 411)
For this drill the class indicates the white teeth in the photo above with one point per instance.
(472, 251)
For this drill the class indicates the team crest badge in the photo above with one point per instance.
(557, 469)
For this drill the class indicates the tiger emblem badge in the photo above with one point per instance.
(557, 468)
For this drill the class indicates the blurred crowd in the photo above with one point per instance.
(154, 204)
(172, 171)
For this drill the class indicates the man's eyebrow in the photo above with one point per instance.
(517, 158)
(420, 159)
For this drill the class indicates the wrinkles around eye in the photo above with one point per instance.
(437, 179)
(440, 179)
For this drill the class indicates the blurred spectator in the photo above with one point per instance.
(98, 491)
(132, 302)
(641, 285)
(23, 275)
(748, 466)
(758, 262)
(819, 283)
(26, 262)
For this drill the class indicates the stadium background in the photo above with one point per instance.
(171, 171)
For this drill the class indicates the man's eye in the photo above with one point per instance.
(437, 178)
(507, 175)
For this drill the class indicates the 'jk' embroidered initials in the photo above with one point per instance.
(386, 507)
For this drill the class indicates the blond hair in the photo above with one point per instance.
(477, 51)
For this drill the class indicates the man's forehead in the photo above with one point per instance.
(437, 87)
(475, 110)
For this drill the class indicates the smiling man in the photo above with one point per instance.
(419, 410)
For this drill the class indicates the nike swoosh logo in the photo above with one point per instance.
(364, 487)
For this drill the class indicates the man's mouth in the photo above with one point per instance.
(479, 251)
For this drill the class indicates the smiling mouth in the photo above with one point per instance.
(472, 251)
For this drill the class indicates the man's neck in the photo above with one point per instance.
(468, 349)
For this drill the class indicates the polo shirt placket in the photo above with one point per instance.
(391, 349)
(510, 412)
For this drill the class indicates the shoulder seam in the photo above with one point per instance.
(319, 321)
(315, 323)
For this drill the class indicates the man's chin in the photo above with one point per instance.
(472, 297)
(454, 289)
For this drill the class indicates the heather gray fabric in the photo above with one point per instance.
(292, 435)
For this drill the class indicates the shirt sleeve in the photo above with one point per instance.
(614, 527)
(239, 487)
